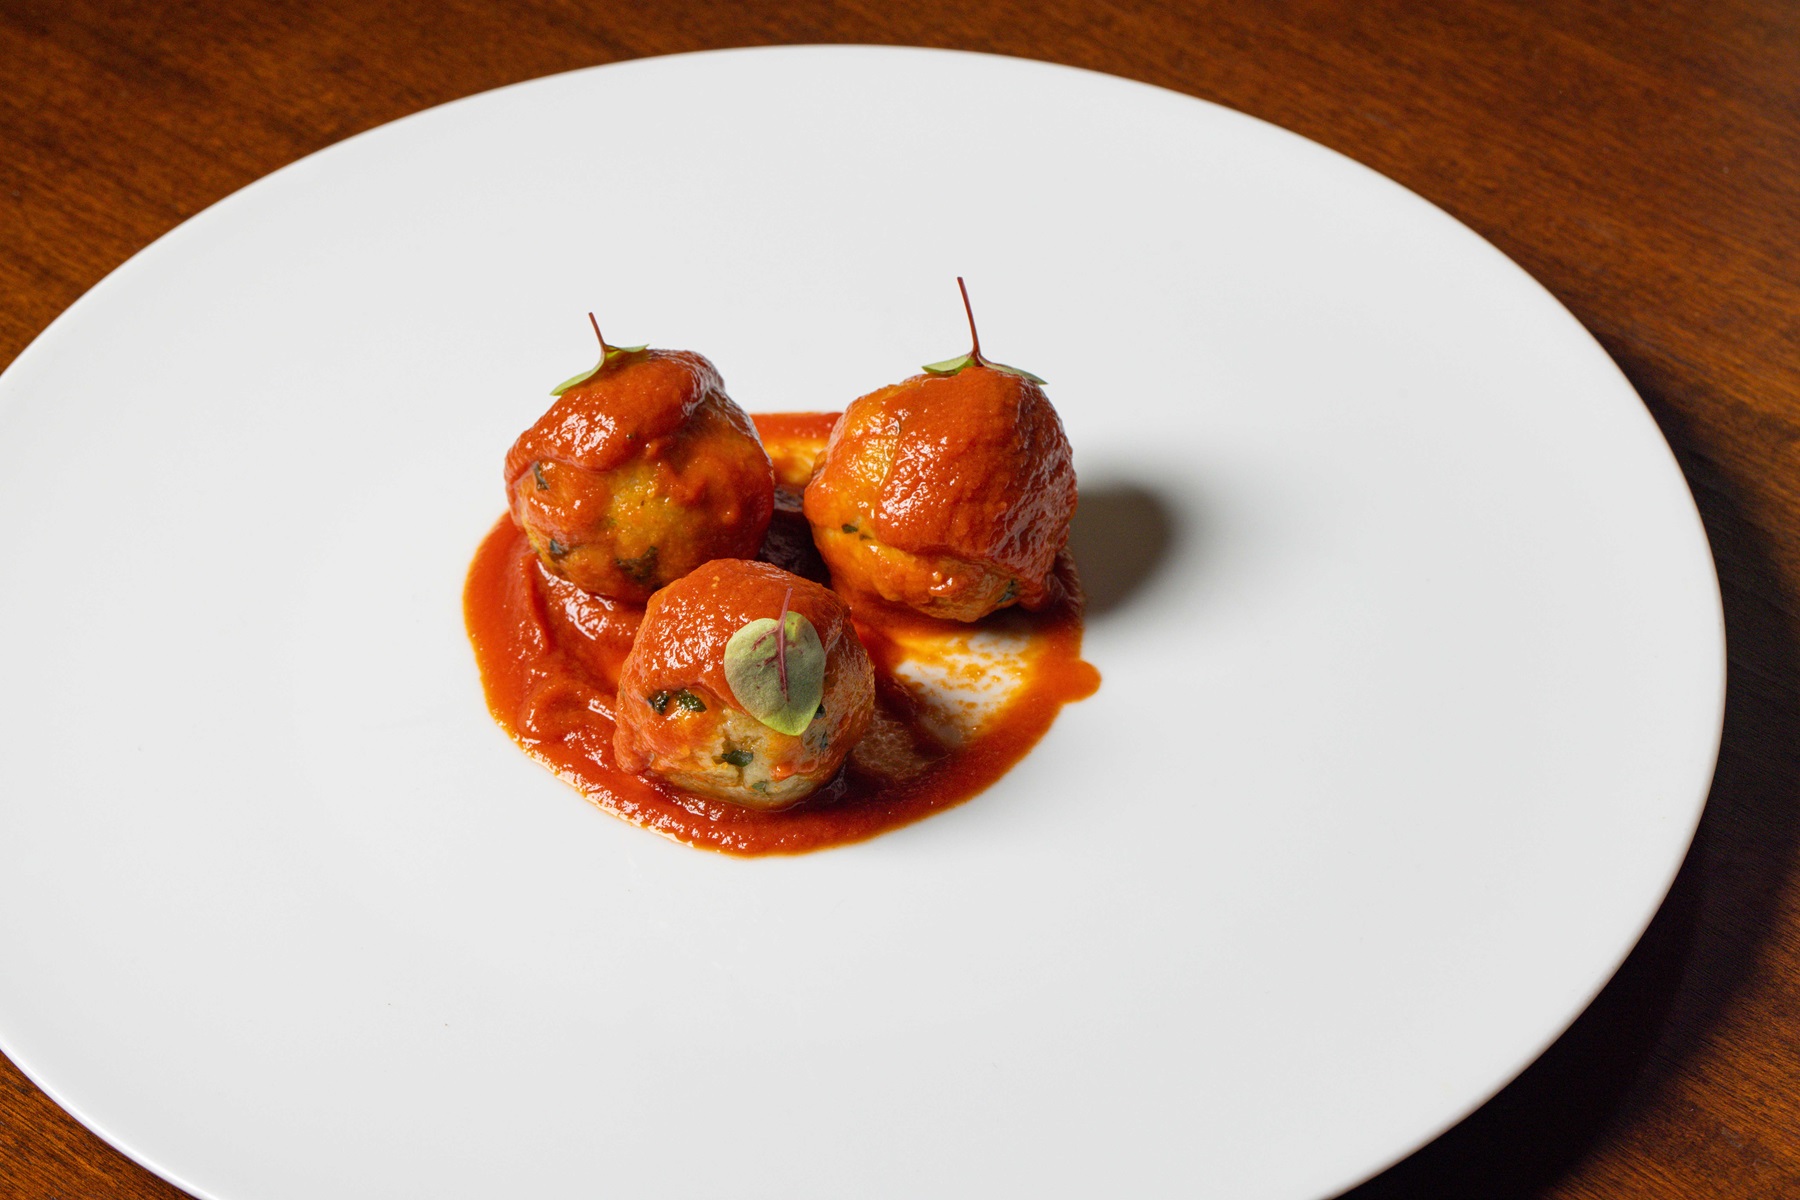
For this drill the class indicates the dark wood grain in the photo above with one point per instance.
(1643, 161)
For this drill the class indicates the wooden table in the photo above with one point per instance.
(1643, 161)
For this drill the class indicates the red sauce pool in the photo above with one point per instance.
(549, 656)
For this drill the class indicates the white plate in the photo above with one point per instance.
(1398, 747)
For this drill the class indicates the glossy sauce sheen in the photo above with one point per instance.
(550, 654)
(976, 460)
(598, 424)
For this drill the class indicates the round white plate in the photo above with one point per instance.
(1403, 733)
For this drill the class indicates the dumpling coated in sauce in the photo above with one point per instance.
(639, 474)
(948, 494)
(678, 717)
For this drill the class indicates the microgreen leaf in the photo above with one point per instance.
(753, 668)
(974, 358)
(612, 355)
(951, 366)
(1019, 371)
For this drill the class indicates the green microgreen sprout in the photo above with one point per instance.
(974, 358)
(608, 356)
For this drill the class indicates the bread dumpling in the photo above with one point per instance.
(711, 701)
(641, 471)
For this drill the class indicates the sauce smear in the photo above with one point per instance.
(956, 705)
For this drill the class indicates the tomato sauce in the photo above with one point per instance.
(550, 653)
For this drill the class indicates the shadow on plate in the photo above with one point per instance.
(1121, 536)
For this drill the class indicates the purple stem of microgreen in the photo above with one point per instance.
(974, 338)
(604, 348)
(781, 643)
